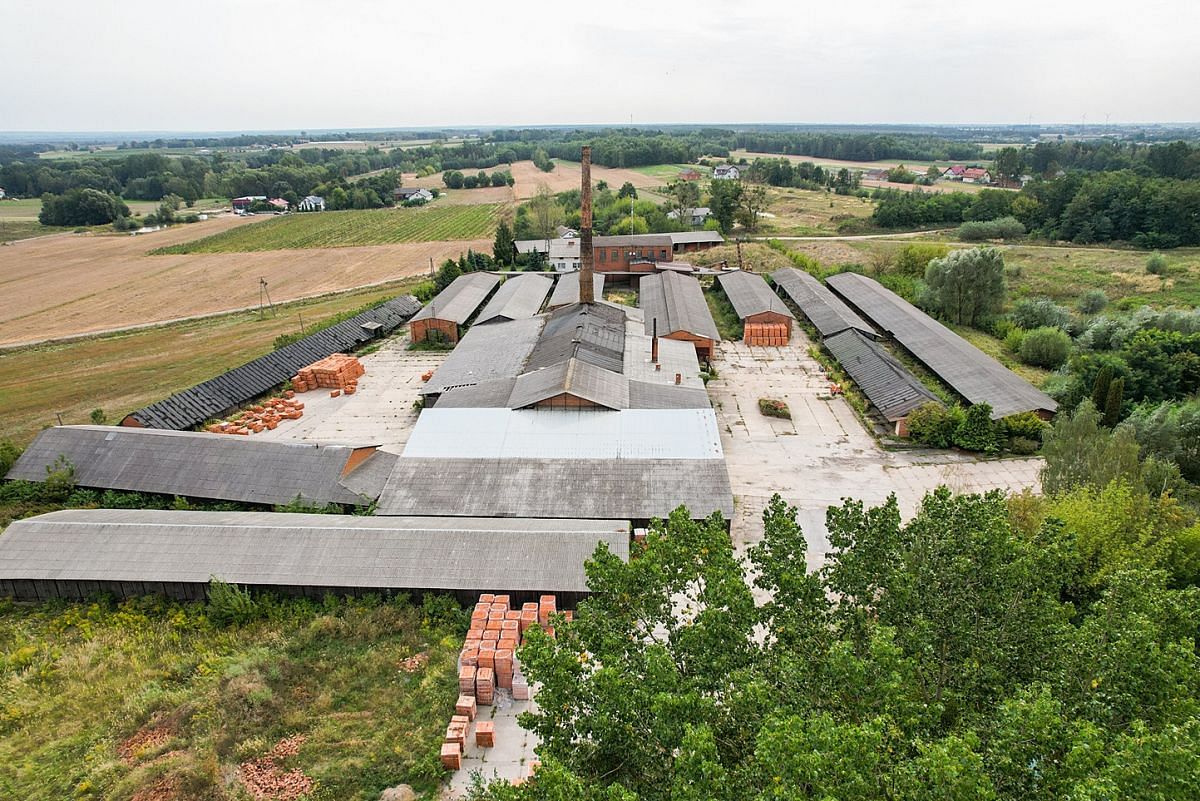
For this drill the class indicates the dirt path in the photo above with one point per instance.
(856, 237)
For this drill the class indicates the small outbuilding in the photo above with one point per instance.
(517, 298)
(674, 307)
(766, 319)
(445, 317)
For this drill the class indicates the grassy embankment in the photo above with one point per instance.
(349, 228)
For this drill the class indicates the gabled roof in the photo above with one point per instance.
(593, 333)
(517, 298)
(969, 371)
(487, 353)
(566, 290)
(572, 377)
(202, 465)
(266, 549)
(888, 385)
(695, 237)
(460, 300)
(825, 310)
(678, 303)
(750, 295)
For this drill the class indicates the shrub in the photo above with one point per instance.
(229, 603)
(424, 291)
(1038, 313)
(60, 479)
(1045, 347)
(774, 408)
(1023, 447)
(977, 432)
(98, 417)
(934, 424)
(912, 259)
(1093, 301)
(1025, 425)
(124, 223)
(9, 453)
(979, 230)
(1156, 264)
(1013, 340)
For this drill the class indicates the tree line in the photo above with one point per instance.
(858, 147)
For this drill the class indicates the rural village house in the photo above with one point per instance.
(410, 195)
(312, 203)
(727, 172)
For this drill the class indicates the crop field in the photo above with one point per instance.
(566, 176)
(59, 286)
(119, 373)
(28, 208)
(669, 172)
(918, 167)
(338, 229)
(156, 701)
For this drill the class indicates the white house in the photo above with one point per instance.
(2, 193)
(312, 203)
(697, 215)
(410, 195)
(727, 172)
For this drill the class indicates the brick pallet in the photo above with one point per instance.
(261, 417)
(339, 372)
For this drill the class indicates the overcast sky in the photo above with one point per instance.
(77, 65)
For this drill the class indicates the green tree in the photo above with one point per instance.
(446, 274)
(726, 199)
(1112, 404)
(627, 190)
(1045, 347)
(502, 245)
(967, 286)
(977, 432)
(684, 196)
(1100, 386)
(545, 213)
(751, 203)
(1008, 163)
(912, 259)
(1078, 452)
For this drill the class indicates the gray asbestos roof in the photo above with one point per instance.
(566, 291)
(689, 237)
(888, 385)
(625, 489)
(576, 377)
(825, 310)
(461, 299)
(268, 549)
(750, 295)
(594, 333)
(518, 298)
(678, 303)
(202, 465)
(969, 371)
(486, 353)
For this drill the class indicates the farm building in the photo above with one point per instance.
(219, 395)
(517, 298)
(888, 385)
(445, 316)
(969, 371)
(566, 290)
(766, 319)
(726, 172)
(211, 466)
(245, 202)
(77, 553)
(675, 306)
(402, 194)
(312, 203)
(278, 203)
(621, 254)
(695, 217)
(690, 175)
(828, 313)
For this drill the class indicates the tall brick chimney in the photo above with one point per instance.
(586, 284)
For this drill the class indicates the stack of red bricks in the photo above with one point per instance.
(262, 417)
(338, 372)
(765, 334)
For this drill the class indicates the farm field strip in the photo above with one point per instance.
(335, 229)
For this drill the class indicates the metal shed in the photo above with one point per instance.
(828, 313)
(967, 370)
(566, 289)
(677, 303)
(518, 298)
(453, 307)
(215, 397)
(77, 553)
(888, 385)
(212, 466)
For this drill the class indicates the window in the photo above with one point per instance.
(603, 253)
(615, 257)
(663, 254)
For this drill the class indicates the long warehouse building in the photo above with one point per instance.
(888, 385)
(78, 553)
(969, 371)
(518, 298)
(828, 313)
(766, 320)
(446, 315)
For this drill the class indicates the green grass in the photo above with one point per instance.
(729, 325)
(669, 172)
(995, 348)
(77, 680)
(334, 229)
(126, 371)
(12, 230)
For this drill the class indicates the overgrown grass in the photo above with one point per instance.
(995, 348)
(729, 325)
(78, 680)
(334, 229)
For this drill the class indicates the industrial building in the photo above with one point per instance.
(566, 290)
(445, 317)
(828, 313)
(766, 320)
(967, 370)
(673, 306)
(888, 385)
(628, 253)
(517, 298)
(78, 553)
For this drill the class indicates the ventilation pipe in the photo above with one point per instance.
(586, 256)
(654, 343)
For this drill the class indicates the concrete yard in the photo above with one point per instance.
(509, 759)
(823, 454)
(381, 411)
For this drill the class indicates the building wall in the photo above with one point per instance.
(769, 318)
(617, 259)
(419, 329)
(691, 247)
(566, 400)
(705, 347)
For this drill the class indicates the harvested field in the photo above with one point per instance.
(831, 253)
(61, 286)
(566, 176)
(336, 229)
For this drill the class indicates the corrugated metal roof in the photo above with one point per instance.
(202, 465)
(690, 237)
(890, 388)
(647, 395)
(750, 295)
(667, 434)
(678, 303)
(633, 240)
(626, 489)
(461, 299)
(487, 353)
(215, 397)
(969, 371)
(518, 298)
(593, 333)
(290, 550)
(825, 310)
(574, 377)
(566, 291)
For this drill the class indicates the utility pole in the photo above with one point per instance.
(263, 292)
(738, 243)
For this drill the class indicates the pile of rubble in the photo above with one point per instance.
(262, 417)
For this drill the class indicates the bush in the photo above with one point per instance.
(9, 453)
(424, 291)
(1003, 228)
(1093, 301)
(1025, 425)
(229, 603)
(1013, 340)
(912, 259)
(1023, 447)
(977, 432)
(934, 424)
(1156, 264)
(124, 223)
(1045, 347)
(81, 207)
(98, 417)
(1039, 313)
(774, 408)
